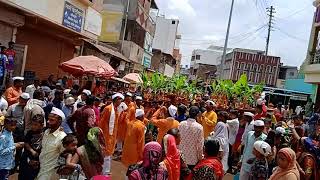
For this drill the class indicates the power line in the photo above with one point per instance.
(291, 36)
(294, 13)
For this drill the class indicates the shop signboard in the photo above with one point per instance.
(72, 17)
(93, 21)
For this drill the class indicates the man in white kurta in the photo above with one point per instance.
(51, 146)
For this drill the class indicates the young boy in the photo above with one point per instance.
(7, 148)
(29, 164)
(259, 170)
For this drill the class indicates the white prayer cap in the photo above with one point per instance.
(69, 101)
(211, 102)
(172, 110)
(280, 130)
(129, 94)
(66, 91)
(122, 107)
(25, 96)
(139, 98)
(139, 113)
(18, 78)
(86, 92)
(263, 148)
(116, 95)
(248, 114)
(258, 123)
(58, 84)
(58, 112)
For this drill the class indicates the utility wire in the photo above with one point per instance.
(291, 36)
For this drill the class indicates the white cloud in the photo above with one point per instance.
(183, 6)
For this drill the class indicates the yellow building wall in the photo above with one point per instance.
(111, 26)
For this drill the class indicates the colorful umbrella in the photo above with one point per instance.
(133, 78)
(88, 65)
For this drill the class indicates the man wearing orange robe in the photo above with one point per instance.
(109, 125)
(133, 107)
(134, 142)
(164, 125)
(122, 126)
(13, 93)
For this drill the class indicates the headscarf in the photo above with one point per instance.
(172, 110)
(172, 160)
(292, 168)
(221, 134)
(95, 147)
(152, 155)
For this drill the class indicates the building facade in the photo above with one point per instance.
(286, 73)
(253, 63)
(48, 32)
(132, 33)
(311, 65)
(166, 45)
(204, 62)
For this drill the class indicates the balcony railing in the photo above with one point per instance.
(315, 58)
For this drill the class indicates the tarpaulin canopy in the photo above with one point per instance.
(88, 65)
(133, 78)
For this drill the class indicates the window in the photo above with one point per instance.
(173, 22)
(255, 67)
(274, 69)
(268, 69)
(251, 77)
(192, 58)
(256, 80)
(261, 68)
(197, 57)
(195, 71)
(237, 65)
(291, 74)
(242, 66)
(250, 67)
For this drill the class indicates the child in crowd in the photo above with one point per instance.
(29, 164)
(7, 148)
(66, 169)
(259, 170)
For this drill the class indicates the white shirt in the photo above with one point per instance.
(249, 127)
(191, 141)
(51, 149)
(30, 89)
(233, 130)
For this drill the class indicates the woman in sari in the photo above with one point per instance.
(91, 154)
(149, 169)
(210, 168)
(172, 157)
(287, 166)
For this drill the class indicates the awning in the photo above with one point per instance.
(120, 80)
(106, 50)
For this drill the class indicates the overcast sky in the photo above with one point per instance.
(204, 22)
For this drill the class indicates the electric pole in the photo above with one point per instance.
(270, 11)
(223, 59)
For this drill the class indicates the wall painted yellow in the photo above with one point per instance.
(111, 26)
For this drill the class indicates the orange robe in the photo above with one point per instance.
(164, 125)
(122, 127)
(133, 146)
(12, 95)
(104, 125)
(132, 112)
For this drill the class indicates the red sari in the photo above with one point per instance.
(172, 160)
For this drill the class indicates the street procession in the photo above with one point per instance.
(159, 90)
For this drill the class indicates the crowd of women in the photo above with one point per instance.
(55, 131)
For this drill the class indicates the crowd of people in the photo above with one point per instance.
(50, 130)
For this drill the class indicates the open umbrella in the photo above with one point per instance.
(133, 78)
(88, 65)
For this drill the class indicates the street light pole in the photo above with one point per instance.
(226, 40)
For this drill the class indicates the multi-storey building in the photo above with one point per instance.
(131, 28)
(167, 57)
(258, 67)
(205, 62)
(311, 66)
